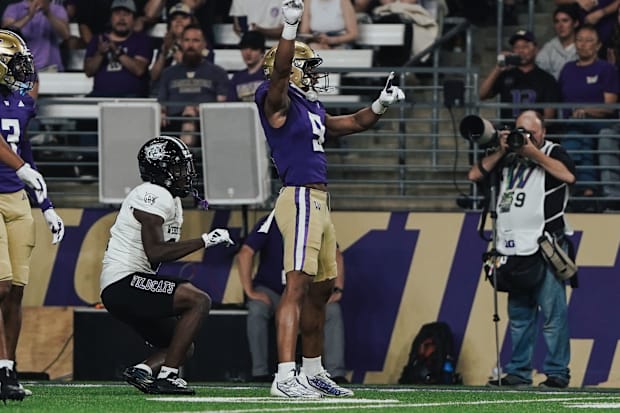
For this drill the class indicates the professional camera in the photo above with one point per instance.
(517, 138)
(481, 131)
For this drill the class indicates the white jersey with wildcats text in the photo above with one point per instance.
(125, 253)
(523, 205)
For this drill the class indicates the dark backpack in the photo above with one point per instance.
(430, 359)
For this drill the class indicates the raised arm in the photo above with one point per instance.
(277, 101)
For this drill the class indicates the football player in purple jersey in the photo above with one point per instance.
(17, 232)
(296, 125)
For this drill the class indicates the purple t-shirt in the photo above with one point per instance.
(297, 146)
(113, 79)
(39, 34)
(587, 84)
(270, 248)
(15, 113)
(605, 26)
(243, 85)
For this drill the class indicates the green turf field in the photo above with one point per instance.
(234, 398)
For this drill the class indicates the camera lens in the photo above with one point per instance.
(516, 139)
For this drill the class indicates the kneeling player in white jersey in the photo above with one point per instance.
(166, 311)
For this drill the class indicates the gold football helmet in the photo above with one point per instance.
(16, 65)
(303, 70)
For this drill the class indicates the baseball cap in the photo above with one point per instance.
(124, 4)
(522, 35)
(253, 40)
(180, 8)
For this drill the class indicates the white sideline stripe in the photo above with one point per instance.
(592, 405)
(320, 404)
(344, 400)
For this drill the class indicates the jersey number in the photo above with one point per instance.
(520, 199)
(318, 132)
(13, 131)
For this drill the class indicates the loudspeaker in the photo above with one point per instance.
(234, 154)
(103, 346)
(123, 129)
(453, 93)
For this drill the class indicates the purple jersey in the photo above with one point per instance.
(297, 146)
(15, 113)
(268, 244)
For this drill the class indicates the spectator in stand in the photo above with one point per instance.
(207, 12)
(184, 86)
(44, 26)
(264, 16)
(329, 24)
(524, 84)
(118, 59)
(179, 17)
(264, 292)
(588, 80)
(561, 49)
(244, 82)
(93, 18)
(599, 13)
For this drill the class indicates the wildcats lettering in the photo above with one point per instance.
(155, 286)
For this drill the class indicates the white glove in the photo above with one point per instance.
(292, 11)
(389, 95)
(56, 225)
(217, 236)
(34, 180)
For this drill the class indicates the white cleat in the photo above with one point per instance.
(324, 384)
(27, 392)
(294, 389)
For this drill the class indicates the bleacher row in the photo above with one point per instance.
(75, 83)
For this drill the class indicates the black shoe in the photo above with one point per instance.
(9, 387)
(14, 372)
(553, 382)
(509, 381)
(172, 384)
(140, 379)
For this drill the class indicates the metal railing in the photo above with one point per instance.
(414, 157)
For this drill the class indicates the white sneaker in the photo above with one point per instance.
(324, 384)
(293, 388)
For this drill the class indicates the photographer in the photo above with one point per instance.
(518, 80)
(534, 175)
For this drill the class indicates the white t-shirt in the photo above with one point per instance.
(326, 16)
(125, 253)
(263, 13)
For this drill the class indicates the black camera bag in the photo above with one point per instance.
(519, 273)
